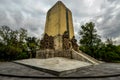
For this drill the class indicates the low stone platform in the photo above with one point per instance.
(103, 69)
(58, 66)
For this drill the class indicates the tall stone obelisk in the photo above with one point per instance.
(59, 28)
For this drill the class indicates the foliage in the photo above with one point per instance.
(89, 38)
(13, 44)
(22, 55)
(91, 44)
(109, 53)
(33, 44)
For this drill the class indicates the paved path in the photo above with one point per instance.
(102, 69)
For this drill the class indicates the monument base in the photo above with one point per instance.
(70, 53)
(47, 53)
(57, 66)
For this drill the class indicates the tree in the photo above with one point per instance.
(90, 40)
(12, 43)
(4, 34)
(32, 44)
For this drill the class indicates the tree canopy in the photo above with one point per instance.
(91, 44)
(89, 38)
(15, 44)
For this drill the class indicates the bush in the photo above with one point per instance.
(22, 55)
(111, 56)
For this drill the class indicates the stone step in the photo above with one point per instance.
(84, 57)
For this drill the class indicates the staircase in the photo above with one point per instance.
(84, 57)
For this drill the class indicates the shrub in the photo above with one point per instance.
(22, 55)
(111, 56)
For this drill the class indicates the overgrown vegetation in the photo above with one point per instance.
(15, 44)
(91, 44)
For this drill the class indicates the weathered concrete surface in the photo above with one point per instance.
(57, 65)
(97, 70)
(102, 69)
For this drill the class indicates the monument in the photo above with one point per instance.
(59, 39)
(59, 54)
(59, 32)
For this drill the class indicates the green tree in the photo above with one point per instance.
(33, 45)
(90, 40)
(12, 43)
(108, 51)
(4, 34)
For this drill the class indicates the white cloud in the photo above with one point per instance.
(99, 20)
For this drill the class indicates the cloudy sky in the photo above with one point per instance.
(31, 15)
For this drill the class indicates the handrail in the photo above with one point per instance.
(87, 57)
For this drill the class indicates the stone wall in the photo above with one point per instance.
(54, 53)
(71, 29)
(56, 20)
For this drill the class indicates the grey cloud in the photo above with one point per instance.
(109, 25)
(31, 15)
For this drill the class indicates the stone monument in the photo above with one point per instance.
(59, 32)
(59, 39)
(59, 54)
